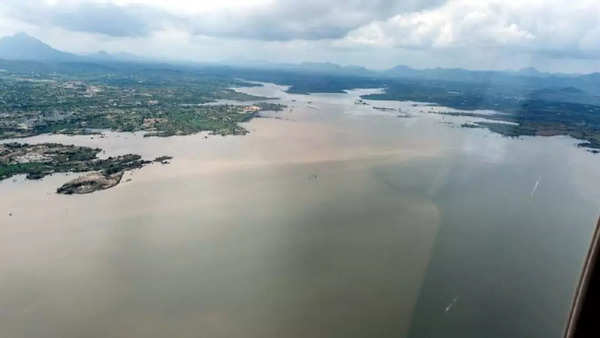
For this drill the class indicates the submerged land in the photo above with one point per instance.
(39, 160)
(162, 100)
(159, 103)
(530, 112)
(535, 103)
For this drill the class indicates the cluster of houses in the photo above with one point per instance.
(251, 109)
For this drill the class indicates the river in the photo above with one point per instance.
(330, 219)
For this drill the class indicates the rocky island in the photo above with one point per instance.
(39, 160)
(90, 183)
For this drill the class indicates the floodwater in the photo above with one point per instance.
(330, 219)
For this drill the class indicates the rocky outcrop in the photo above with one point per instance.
(90, 183)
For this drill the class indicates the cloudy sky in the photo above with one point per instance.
(553, 35)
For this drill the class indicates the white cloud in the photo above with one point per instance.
(191, 7)
(531, 25)
(555, 35)
(249, 19)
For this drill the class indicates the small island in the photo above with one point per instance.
(39, 160)
(163, 159)
(90, 183)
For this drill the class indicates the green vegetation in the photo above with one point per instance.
(84, 100)
(542, 105)
(162, 103)
(39, 160)
(548, 112)
(165, 100)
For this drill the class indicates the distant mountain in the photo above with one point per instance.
(530, 71)
(101, 55)
(402, 71)
(25, 47)
(19, 49)
(595, 77)
(104, 56)
(564, 94)
(571, 90)
(451, 74)
(325, 68)
(460, 74)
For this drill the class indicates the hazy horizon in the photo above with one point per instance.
(130, 56)
(496, 35)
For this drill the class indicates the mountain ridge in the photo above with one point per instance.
(23, 47)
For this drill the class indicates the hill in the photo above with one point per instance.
(25, 47)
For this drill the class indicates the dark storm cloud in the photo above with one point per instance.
(308, 19)
(109, 19)
(101, 18)
(281, 20)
